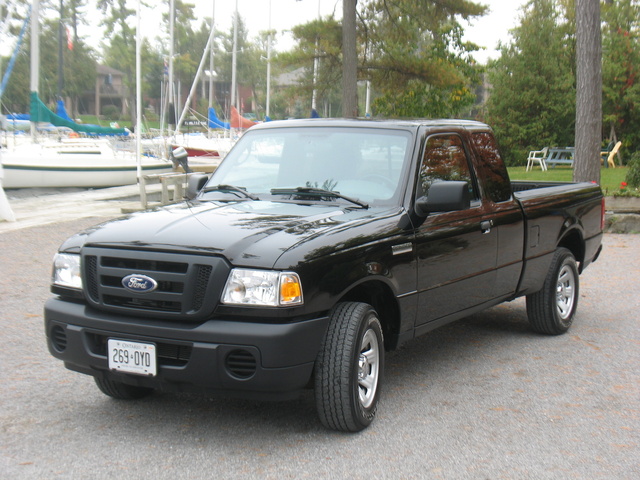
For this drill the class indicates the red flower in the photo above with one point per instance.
(623, 185)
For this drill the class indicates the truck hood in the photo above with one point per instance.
(252, 233)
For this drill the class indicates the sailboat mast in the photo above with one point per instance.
(60, 51)
(172, 108)
(138, 129)
(269, 39)
(35, 55)
(212, 34)
(195, 83)
(234, 57)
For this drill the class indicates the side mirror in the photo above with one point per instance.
(195, 183)
(444, 197)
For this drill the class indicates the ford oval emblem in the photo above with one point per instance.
(139, 283)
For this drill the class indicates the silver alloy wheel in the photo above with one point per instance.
(368, 368)
(565, 292)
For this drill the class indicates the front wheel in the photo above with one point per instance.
(551, 310)
(121, 391)
(349, 368)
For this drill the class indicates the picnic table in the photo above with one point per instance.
(564, 156)
(560, 156)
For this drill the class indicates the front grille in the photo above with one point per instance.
(91, 279)
(204, 272)
(188, 286)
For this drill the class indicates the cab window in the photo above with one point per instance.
(444, 159)
(492, 170)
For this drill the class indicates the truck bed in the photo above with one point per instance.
(522, 185)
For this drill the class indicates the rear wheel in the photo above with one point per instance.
(120, 390)
(349, 368)
(552, 309)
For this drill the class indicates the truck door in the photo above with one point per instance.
(456, 251)
(508, 219)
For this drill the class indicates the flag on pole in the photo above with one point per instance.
(69, 39)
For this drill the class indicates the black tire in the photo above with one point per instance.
(552, 309)
(121, 391)
(349, 368)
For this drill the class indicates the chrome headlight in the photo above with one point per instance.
(66, 271)
(262, 287)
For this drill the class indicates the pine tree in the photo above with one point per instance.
(532, 101)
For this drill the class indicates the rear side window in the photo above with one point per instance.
(491, 169)
(444, 159)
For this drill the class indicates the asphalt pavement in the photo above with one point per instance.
(484, 398)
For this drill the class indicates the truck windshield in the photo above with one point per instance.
(361, 164)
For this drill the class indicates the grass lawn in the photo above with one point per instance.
(610, 178)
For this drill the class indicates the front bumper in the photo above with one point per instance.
(220, 356)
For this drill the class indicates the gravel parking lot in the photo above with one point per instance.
(484, 398)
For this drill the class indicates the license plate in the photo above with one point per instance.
(132, 357)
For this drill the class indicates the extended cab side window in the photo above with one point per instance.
(444, 159)
(492, 170)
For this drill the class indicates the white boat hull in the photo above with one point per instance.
(87, 166)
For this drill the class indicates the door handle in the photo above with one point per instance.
(485, 226)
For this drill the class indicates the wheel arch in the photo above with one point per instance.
(380, 296)
(573, 241)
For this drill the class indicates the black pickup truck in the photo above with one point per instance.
(316, 246)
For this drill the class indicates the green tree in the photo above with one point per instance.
(154, 60)
(411, 51)
(621, 71)
(80, 67)
(120, 44)
(321, 40)
(79, 71)
(79, 61)
(415, 57)
(250, 70)
(75, 11)
(187, 45)
(532, 103)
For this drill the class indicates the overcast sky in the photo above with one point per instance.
(281, 15)
(486, 31)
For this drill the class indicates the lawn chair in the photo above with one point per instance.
(537, 156)
(612, 154)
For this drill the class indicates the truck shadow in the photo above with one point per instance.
(428, 360)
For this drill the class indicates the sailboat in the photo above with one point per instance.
(209, 147)
(206, 145)
(75, 162)
(96, 161)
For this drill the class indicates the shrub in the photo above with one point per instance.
(633, 174)
(111, 112)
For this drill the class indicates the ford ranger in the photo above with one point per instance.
(314, 248)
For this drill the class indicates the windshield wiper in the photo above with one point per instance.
(231, 189)
(319, 192)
